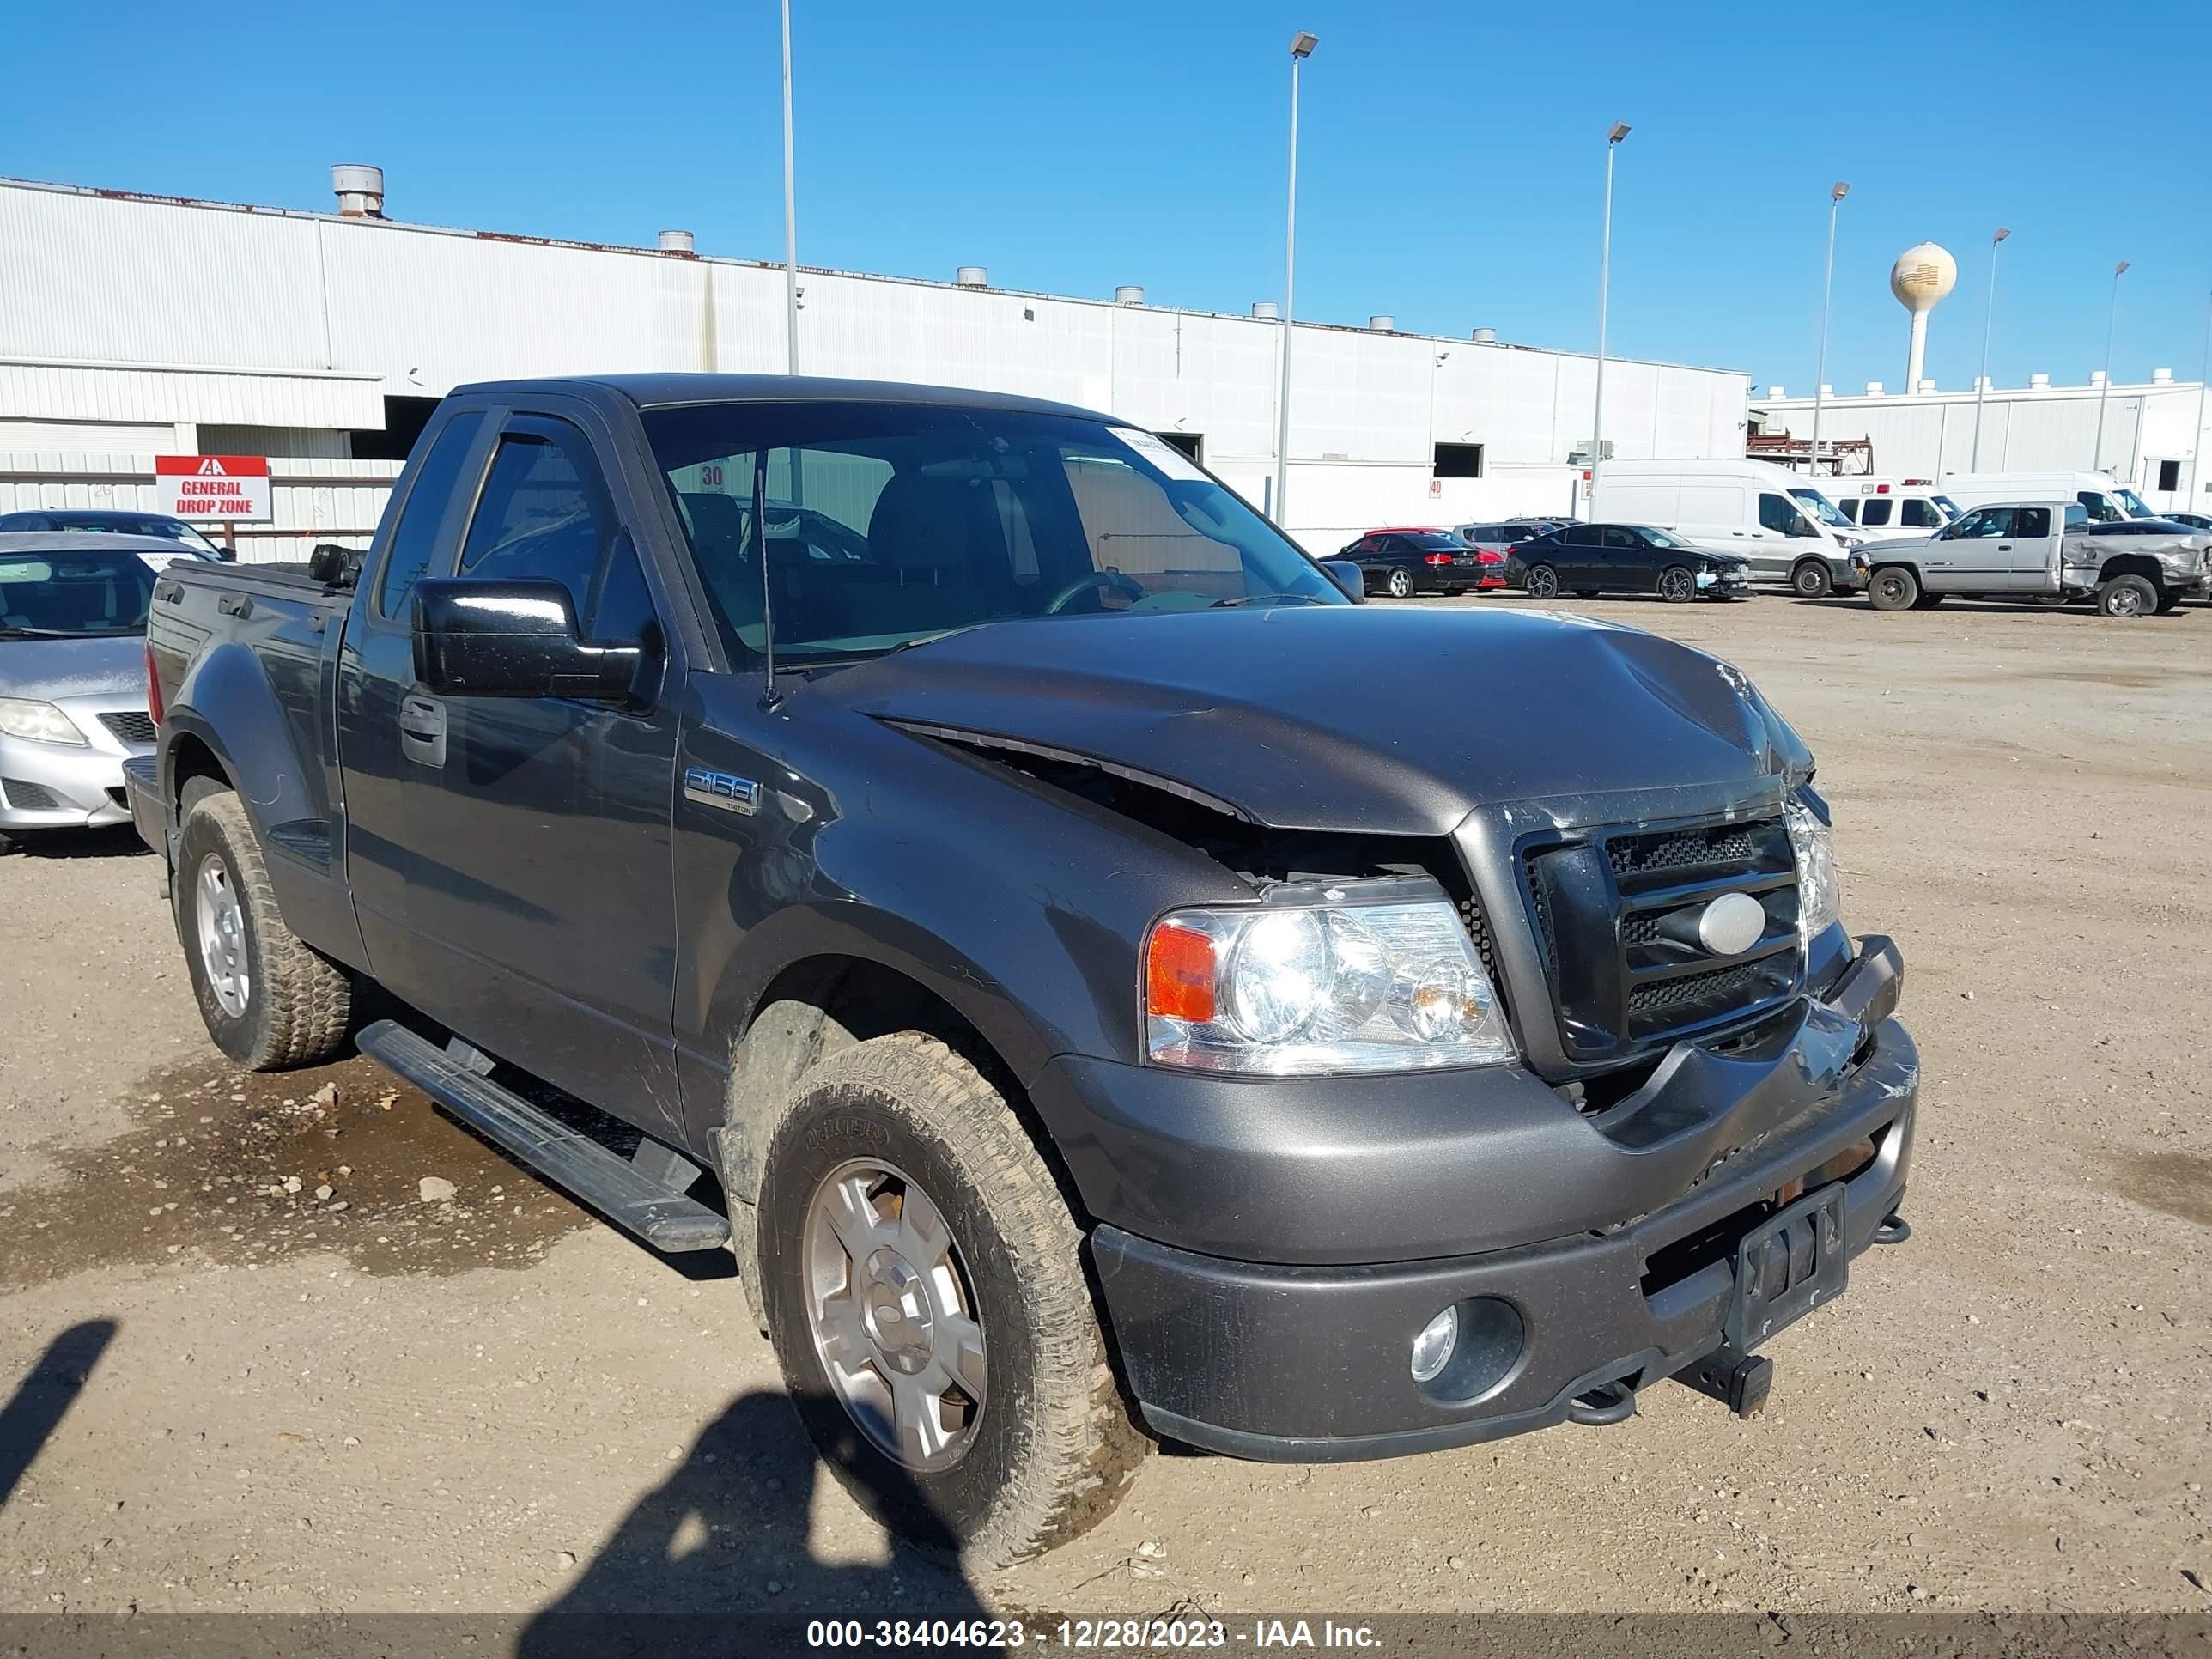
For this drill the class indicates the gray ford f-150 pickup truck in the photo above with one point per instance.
(1110, 977)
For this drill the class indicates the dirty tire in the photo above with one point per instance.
(1811, 580)
(1677, 585)
(298, 1003)
(1929, 601)
(1054, 1447)
(1400, 583)
(2128, 597)
(2169, 600)
(1542, 582)
(1893, 588)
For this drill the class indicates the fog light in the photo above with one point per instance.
(1432, 1348)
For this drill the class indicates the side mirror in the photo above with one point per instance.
(1346, 575)
(333, 566)
(513, 639)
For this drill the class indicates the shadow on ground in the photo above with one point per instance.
(43, 1398)
(719, 1554)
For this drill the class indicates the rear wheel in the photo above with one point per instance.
(1811, 579)
(1542, 582)
(925, 1293)
(1400, 583)
(267, 1000)
(1893, 588)
(1677, 585)
(2127, 598)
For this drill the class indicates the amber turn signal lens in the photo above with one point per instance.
(1179, 973)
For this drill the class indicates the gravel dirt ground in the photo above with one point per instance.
(252, 1368)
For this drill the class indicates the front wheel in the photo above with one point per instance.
(2127, 598)
(1543, 582)
(267, 1000)
(1894, 588)
(1677, 585)
(1401, 583)
(925, 1293)
(1812, 580)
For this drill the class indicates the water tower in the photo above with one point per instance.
(1920, 279)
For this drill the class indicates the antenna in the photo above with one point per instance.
(770, 697)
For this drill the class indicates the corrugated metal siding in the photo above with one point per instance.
(339, 500)
(112, 391)
(291, 292)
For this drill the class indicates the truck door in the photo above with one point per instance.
(1975, 556)
(376, 671)
(2025, 549)
(540, 896)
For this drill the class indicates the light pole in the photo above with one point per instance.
(1988, 318)
(1604, 281)
(1302, 45)
(2104, 386)
(2197, 449)
(790, 211)
(1827, 290)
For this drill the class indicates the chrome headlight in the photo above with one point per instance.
(1322, 978)
(1819, 887)
(37, 722)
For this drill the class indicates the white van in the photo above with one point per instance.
(2108, 502)
(1758, 511)
(1885, 508)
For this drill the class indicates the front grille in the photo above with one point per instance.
(28, 796)
(1617, 912)
(130, 728)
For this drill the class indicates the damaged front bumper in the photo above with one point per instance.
(1303, 1359)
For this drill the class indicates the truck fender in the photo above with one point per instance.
(227, 702)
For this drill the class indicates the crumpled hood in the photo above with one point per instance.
(1387, 720)
(51, 669)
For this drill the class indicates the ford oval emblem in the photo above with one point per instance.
(1731, 924)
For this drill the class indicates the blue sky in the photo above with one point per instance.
(1451, 174)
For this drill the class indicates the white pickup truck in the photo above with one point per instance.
(2046, 551)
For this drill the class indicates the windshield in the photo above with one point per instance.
(891, 523)
(1821, 508)
(1660, 538)
(73, 595)
(1950, 507)
(2134, 503)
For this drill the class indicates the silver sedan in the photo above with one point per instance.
(73, 703)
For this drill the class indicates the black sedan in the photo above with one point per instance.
(1587, 560)
(1402, 562)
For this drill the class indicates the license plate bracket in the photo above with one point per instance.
(1787, 1266)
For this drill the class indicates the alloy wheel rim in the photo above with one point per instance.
(2126, 602)
(893, 1315)
(221, 928)
(1808, 583)
(1675, 584)
(1401, 583)
(1543, 584)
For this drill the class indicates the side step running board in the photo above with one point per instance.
(575, 1161)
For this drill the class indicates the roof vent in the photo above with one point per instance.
(1927, 385)
(2039, 383)
(1874, 388)
(1486, 336)
(1382, 324)
(2162, 377)
(972, 276)
(2096, 377)
(676, 241)
(1265, 310)
(1776, 392)
(1128, 294)
(1828, 391)
(360, 190)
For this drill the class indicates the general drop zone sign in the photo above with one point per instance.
(227, 488)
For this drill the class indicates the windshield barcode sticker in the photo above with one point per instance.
(1161, 453)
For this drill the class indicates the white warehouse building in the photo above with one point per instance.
(134, 325)
(2155, 433)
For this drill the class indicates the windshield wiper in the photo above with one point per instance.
(1267, 598)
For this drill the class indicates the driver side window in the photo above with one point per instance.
(1777, 514)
